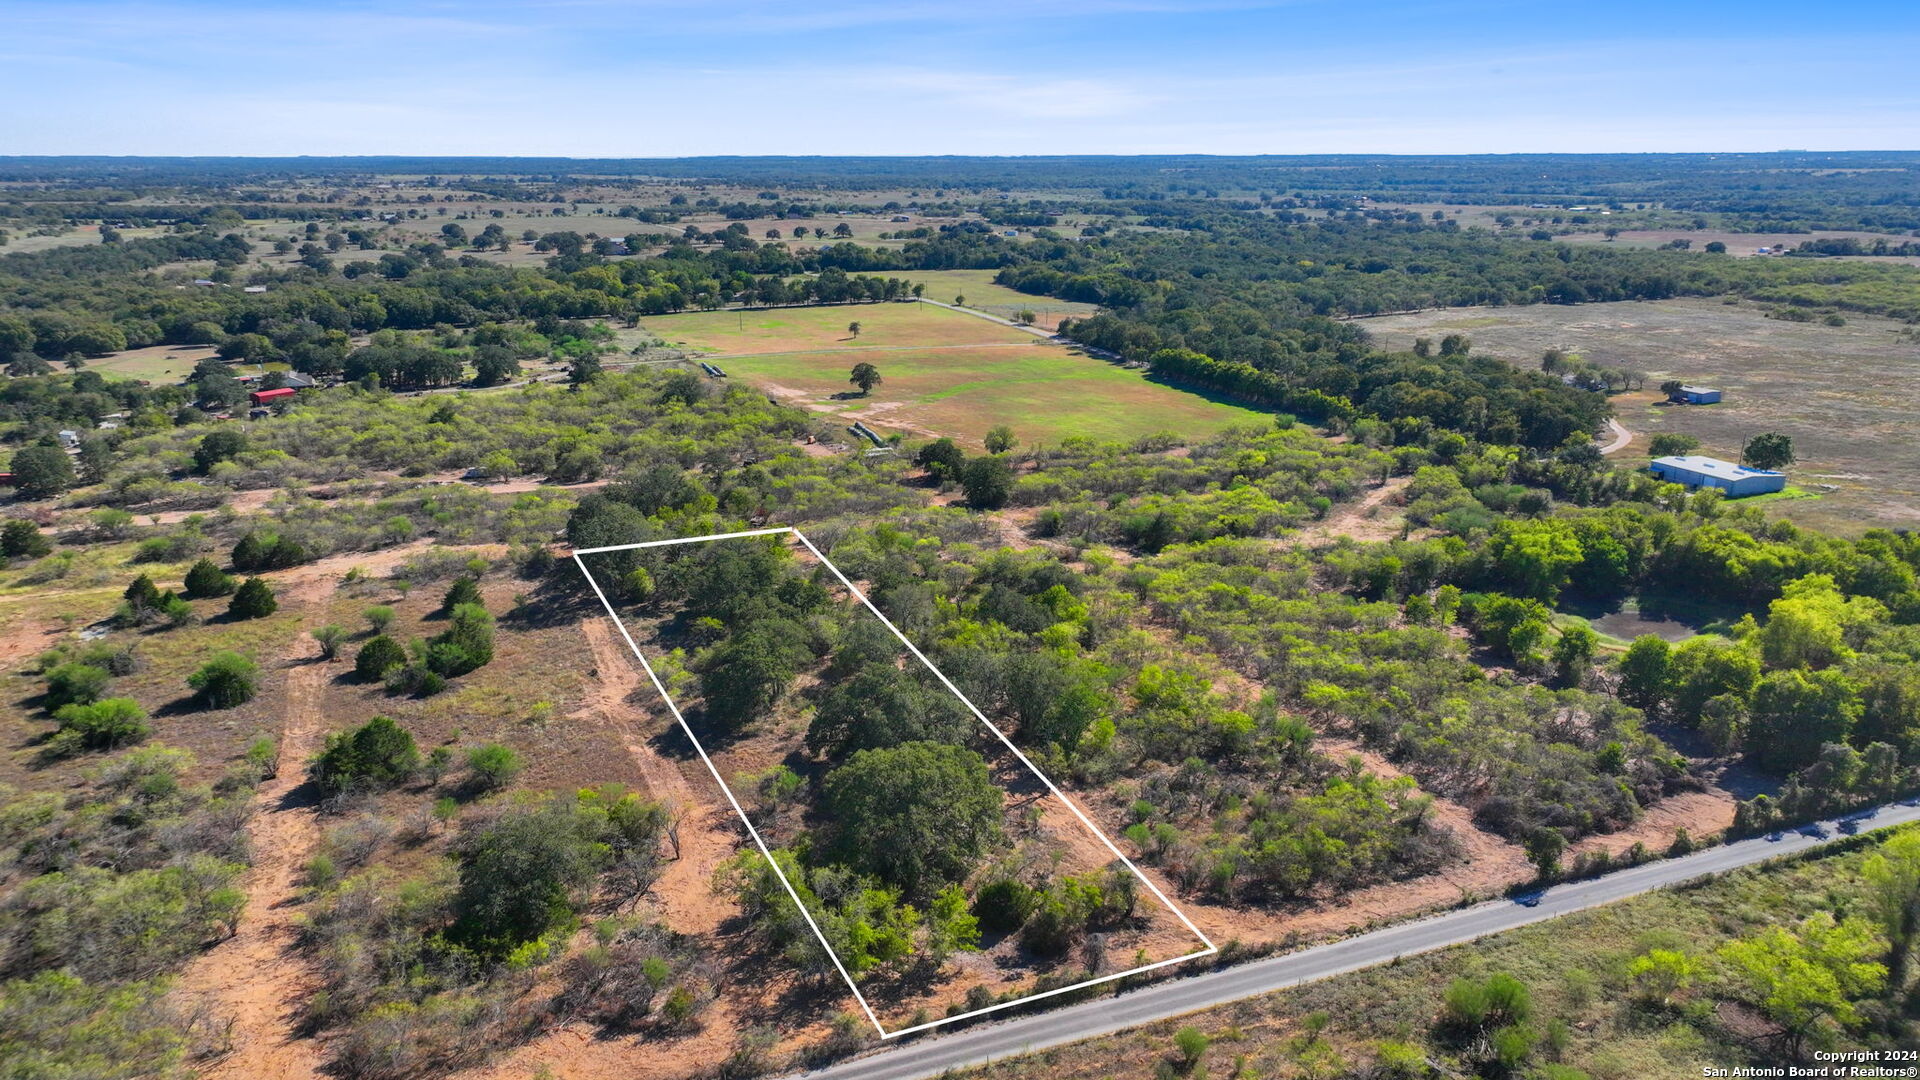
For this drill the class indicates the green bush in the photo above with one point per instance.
(226, 681)
(330, 638)
(464, 591)
(20, 538)
(378, 753)
(102, 725)
(467, 643)
(269, 551)
(74, 684)
(987, 481)
(521, 876)
(206, 579)
(1005, 905)
(216, 446)
(253, 600)
(377, 657)
(1192, 1043)
(493, 765)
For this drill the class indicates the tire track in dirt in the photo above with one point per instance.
(682, 895)
(1356, 519)
(256, 978)
(683, 892)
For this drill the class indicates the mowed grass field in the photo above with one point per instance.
(724, 333)
(1846, 394)
(944, 373)
(978, 287)
(160, 364)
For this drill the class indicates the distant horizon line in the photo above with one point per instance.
(947, 157)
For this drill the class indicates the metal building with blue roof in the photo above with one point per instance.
(1697, 471)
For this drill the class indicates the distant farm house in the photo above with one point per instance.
(1694, 395)
(1737, 481)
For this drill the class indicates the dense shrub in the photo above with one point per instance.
(378, 656)
(378, 753)
(254, 599)
(226, 681)
(267, 551)
(493, 765)
(20, 538)
(464, 591)
(102, 725)
(467, 643)
(74, 684)
(205, 578)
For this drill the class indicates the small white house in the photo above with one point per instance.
(69, 439)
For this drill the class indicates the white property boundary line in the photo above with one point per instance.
(1210, 949)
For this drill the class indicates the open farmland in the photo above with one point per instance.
(740, 332)
(945, 373)
(981, 293)
(1844, 393)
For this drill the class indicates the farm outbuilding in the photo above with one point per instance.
(1696, 471)
(1695, 395)
(261, 397)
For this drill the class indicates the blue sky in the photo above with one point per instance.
(642, 78)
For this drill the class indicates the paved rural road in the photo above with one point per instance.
(1621, 437)
(931, 1056)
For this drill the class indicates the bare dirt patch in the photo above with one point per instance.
(1368, 518)
(708, 833)
(257, 978)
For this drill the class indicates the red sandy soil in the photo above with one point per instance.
(682, 897)
(1361, 519)
(256, 978)
(709, 831)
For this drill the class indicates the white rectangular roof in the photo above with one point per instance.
(1707, 466)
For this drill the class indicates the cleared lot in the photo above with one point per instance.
(1846, 394)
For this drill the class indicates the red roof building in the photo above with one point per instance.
(261, 397)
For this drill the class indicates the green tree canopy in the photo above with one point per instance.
(41, 472)
(1770, 450)
(1795, 713)
(919, 815)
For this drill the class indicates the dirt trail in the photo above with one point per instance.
(311, 583)
(708, 835)
(256, 978)
(1359, 519)
(240, 502)
(682, 896)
